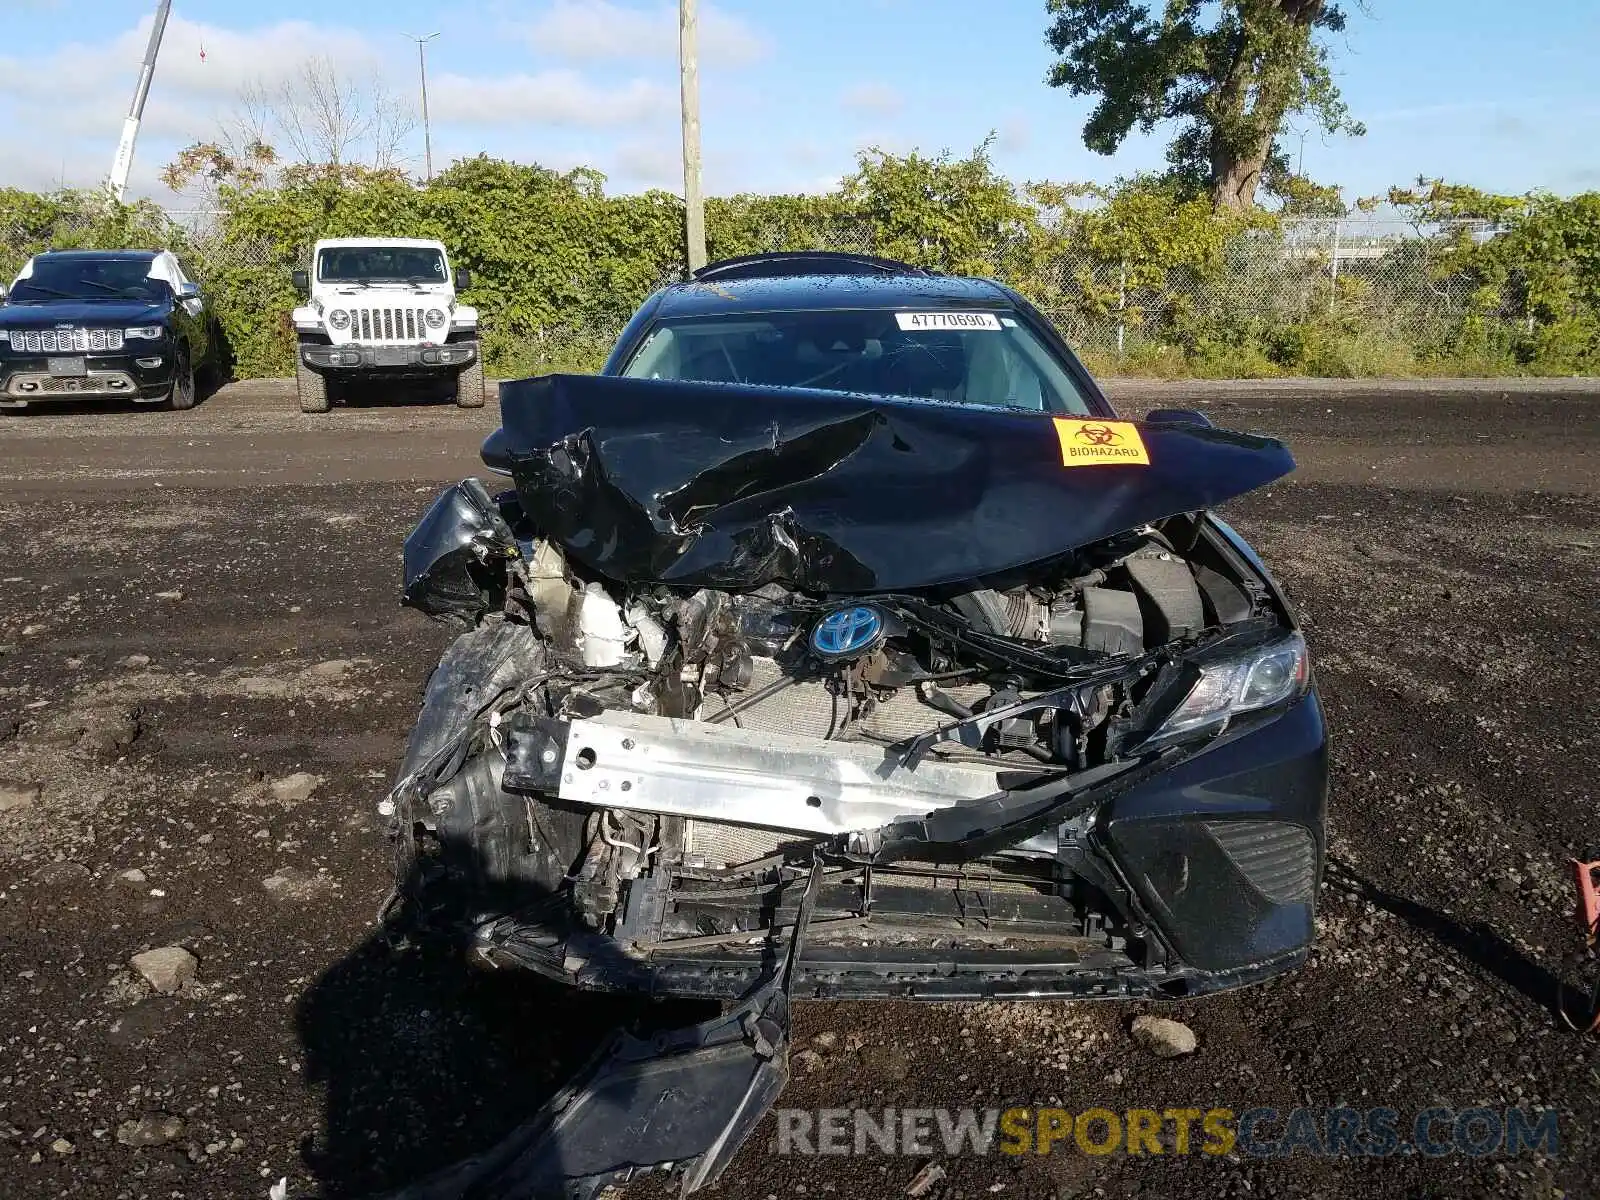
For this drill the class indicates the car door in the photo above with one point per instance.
(190, 312)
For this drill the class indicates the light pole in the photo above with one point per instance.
(689, 69)
(422, 69)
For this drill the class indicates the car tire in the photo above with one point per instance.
(183, 392)
(469, 386)
(313, 389)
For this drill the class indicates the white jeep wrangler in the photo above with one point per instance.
(383, 308)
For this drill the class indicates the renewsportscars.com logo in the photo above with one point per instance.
(1256, 1132)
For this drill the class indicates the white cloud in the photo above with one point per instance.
(872, 99)
(562, 98)
(79, 93)
(589, 30)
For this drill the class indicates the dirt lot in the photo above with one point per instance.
(205, 681)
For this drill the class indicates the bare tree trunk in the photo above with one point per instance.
(1235, 177)
(1253, 96)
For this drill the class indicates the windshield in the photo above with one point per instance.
(380, 264)
(964, 356)
(89, 279)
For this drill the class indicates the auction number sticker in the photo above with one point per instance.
(1087, 443)
(924, 321)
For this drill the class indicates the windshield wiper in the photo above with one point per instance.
(126, 293)
(49, 291)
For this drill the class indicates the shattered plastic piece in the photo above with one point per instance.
(602, 637)
(685, 1099)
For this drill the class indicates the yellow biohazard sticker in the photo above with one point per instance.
(1087, 443)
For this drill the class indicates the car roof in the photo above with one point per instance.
(379, 243)
(809, 280)
(102, 255)
(829, 290)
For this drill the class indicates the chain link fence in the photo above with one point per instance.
(1380, 274)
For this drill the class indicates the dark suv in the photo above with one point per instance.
(125, 323)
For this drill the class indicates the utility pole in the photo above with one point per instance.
(122, 164)
(422, 68)
(689, 68)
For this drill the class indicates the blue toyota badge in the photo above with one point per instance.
(847, 631)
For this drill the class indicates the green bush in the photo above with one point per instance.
(559, 266)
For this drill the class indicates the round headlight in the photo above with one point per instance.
(339, 319)
(435, 317)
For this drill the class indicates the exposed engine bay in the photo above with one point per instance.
(648, 734)
(767, 694)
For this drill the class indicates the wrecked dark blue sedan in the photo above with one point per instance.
(840, 640)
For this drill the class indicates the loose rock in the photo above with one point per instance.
(807, 1060)
(334, 668)
(172, 595)
(61, 1146)
(1164, 1038)
(292, 883)
(153, 1130)
(108, 734)
(16, 795)
(60, 874)
(296, 788)
(166, 969)
(136, 661)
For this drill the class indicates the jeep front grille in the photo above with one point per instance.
(65, 341)
(388, 325)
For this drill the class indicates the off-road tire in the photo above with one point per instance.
(313, 389)
(183, 392)
(469, 386)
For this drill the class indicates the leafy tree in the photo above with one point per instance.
(942, 212)
(1227, 72)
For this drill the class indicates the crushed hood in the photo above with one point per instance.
(733, 486)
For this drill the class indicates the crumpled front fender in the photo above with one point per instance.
(455, 557)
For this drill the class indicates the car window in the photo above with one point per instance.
(966, 357)
(377, 264)
(47, 279)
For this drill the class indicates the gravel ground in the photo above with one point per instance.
(205, 683)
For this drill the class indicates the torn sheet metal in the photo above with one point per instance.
(735, 486)
(685, 1100)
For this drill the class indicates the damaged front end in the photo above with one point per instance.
(845, 696)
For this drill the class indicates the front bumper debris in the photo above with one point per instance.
(684, 1101)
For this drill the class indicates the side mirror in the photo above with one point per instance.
(188, 291)
(1177, 416)
(463, 279)
(302, 282)
(5, 293)
(496, 452)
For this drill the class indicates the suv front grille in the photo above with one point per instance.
(65, 341)
(388, 325)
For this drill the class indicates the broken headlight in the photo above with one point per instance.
(1261, 679)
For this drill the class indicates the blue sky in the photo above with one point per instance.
(1497, 95)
